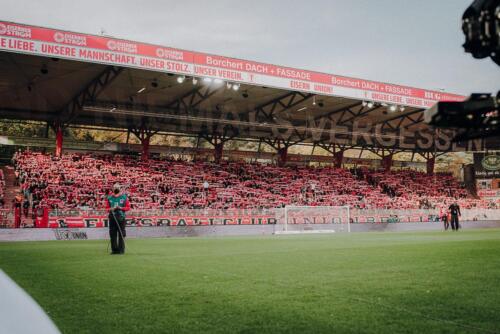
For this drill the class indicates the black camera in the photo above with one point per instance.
(478, 116)
(481, 26)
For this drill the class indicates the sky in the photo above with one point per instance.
(408, 42)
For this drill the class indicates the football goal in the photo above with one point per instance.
(314, 219)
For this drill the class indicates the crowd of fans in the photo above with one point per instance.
(81, 181)
(410, 189)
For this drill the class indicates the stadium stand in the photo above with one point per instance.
(81, 181)
(412, 189)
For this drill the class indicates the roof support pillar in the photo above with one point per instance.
(281, 146)
(387, 162)
(145, 148)
(337, 151)
(431, 161)
(58, 128)
(217, 142)
(144, 135)
(218, 151)
(338, 158)
(59, 140)
(282, 156)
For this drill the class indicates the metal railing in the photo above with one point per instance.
(7, 218)
(257, 216)
(152, 217)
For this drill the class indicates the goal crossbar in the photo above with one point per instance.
(312, 219)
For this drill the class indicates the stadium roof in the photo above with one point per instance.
(70, 78)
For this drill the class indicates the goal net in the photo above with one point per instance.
(314, 219)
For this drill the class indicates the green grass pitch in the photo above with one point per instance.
(426, 282)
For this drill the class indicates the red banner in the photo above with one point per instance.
(263, 219)
(102, 221)
(100, 49)
(489, 193)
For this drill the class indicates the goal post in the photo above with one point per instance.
(314, 219)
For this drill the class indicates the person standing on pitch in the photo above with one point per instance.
(443, 214)
(117, 204)
(455, 213)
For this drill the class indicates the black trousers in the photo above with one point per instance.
(454, 222)
(116, 234)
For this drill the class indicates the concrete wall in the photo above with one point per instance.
(29, 234)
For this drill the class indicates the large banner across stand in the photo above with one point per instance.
(235, 217)
(207, 217)
(172, 217)
(162, 220)
(111, 51)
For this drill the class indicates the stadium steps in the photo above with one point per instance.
(11, 190)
